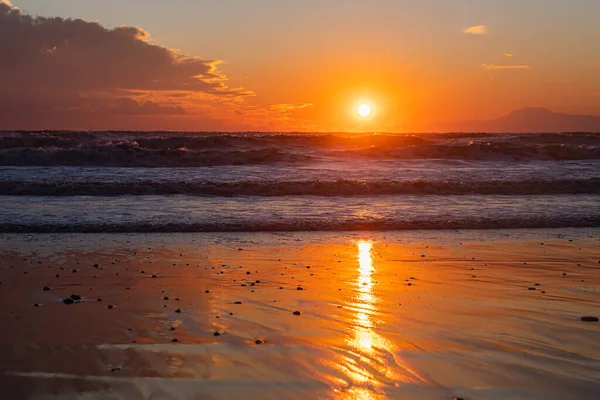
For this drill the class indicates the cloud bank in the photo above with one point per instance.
(56, 69)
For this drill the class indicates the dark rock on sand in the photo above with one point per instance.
(589, 319)
(217, 334)
(75, 297)
(46, 289)
(68, 300)
(297, 313)
(258, 341)
(110, 307)
(178, 311)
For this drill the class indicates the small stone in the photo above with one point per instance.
(175, 340)
(36, 305)
(238, 302)
(166, 298)
(297, 313)
(217, 334)
(207, 291)
(178, 311)
(95, 265)
(68, 300)
(299, 288)
(46, 289)
(589, 319)
(74, 270)
(258, 341)
(57, 275)
(115, 369)
(154, 276)
(110, 307)
(531, 288)
(99, 300)
(75, 297)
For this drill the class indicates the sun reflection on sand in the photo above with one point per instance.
(372, 363)
(365, 337)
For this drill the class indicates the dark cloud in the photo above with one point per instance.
(72, 66)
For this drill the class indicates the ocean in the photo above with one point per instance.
(246, 182)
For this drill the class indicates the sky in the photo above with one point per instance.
(283, 65)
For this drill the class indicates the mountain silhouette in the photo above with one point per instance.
(531, 119)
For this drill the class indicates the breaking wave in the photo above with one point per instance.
(137, 149)
(309, 225)
(340, 187)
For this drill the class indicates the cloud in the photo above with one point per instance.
(499, 67)
(508, 54)
(289, 107)
(476, 30)
(55, 68)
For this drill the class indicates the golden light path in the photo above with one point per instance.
(373, 363)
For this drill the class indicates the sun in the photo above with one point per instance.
(364, 110)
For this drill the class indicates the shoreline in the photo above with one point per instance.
(418, 314)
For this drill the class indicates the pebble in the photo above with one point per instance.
(589, 319)
(75, 297)
(258, 341)
(217, 334)
(297, 313)
(238, 302)
(46, 289)
(68, 300)
(178, 311)
(110, 307)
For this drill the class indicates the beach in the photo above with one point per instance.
(473, 314)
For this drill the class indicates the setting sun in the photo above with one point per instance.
(364, 110)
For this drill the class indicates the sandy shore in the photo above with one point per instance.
(416, 315)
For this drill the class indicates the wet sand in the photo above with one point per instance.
(416, 315)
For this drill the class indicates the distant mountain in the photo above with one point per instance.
(531, 119)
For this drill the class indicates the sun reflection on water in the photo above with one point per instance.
(371, 366)
(365, 304)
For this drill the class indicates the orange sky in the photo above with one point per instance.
(291, 67)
